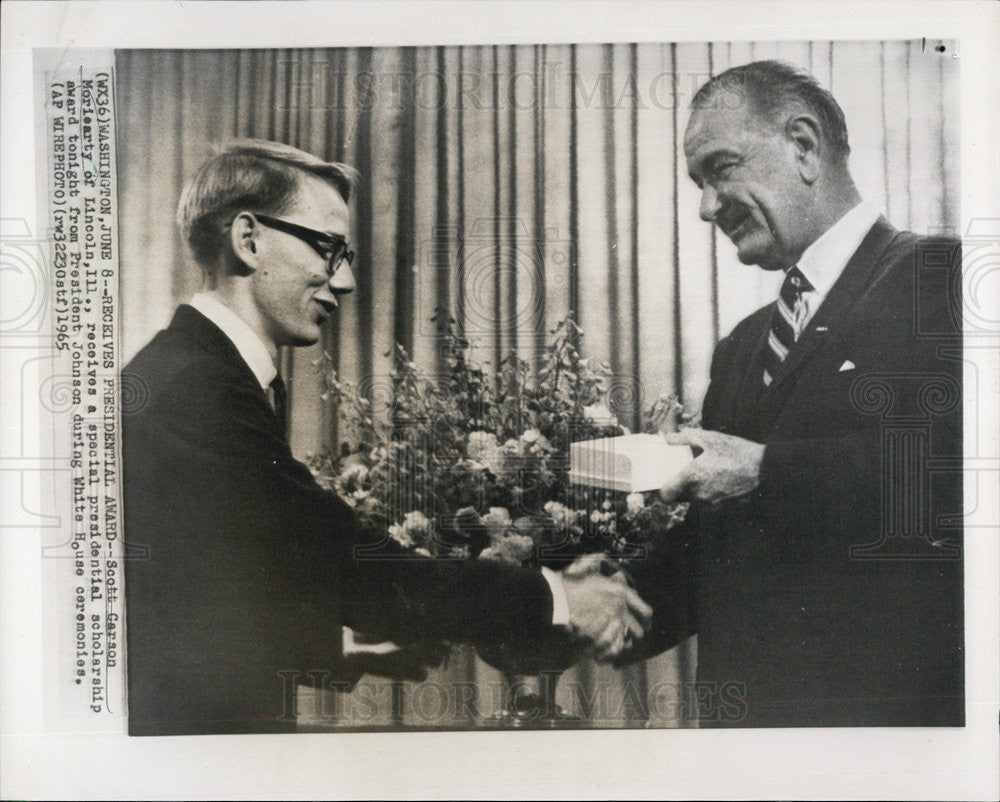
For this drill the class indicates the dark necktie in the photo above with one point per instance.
(279, 399)
(787, 322)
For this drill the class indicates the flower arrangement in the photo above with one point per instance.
(475, 464)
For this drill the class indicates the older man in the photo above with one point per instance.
(816, 565)
(250, 572)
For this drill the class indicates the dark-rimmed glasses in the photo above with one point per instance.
(332, 247)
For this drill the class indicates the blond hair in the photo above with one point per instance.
(247, 175)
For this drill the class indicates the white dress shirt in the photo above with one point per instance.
(255, 354)
(824, 260)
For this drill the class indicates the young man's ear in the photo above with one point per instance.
(242, 237)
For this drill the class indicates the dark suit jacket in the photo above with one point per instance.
(241, 569)
(832, 595)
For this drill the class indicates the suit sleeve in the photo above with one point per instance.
(389, 593)
(666, 578)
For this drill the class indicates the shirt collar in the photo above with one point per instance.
(247, 342)
(824, 260)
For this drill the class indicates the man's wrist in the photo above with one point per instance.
(560, 605)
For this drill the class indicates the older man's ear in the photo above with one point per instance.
(804, 133)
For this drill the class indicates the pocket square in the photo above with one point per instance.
(848, 365)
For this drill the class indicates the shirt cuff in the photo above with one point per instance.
(560, 606)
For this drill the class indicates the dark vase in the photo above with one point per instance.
(531, 670)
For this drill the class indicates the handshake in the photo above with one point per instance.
(604, 610)
(605, 615)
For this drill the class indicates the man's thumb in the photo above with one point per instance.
(676, 488)
(685, 437)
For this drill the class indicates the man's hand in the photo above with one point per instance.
(365, 654)
(604, 610)
(726, 467)
(404, 663)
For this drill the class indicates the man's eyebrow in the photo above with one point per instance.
(724, 153)
(698, 166)
(710, 161)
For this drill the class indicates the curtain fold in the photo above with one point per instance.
(508, 186)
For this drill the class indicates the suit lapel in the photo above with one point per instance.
(844, 294)
(213, 340)
(751, 385)
(210, 337)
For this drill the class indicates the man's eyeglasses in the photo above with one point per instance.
(331, 247)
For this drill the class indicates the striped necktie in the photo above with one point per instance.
(787, 322)
(279, 400)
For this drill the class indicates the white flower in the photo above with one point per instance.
(401, 536)
(356, 472)
(514, 549)
(497, 522)
(484, 451)
(562, 516)
(599, 413)
(481, 443)
(415, 522)
(555, 510)
(635, 502)
(535, 441)
(497, 515)
(519, 547)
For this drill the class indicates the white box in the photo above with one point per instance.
(632, 463)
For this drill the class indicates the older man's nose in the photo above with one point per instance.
(709, 204)
(342, 281)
